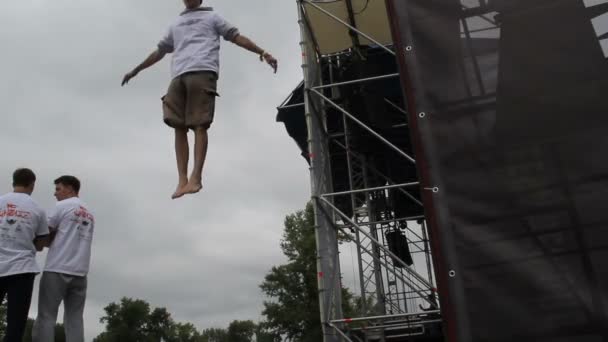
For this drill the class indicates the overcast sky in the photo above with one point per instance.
(64, 112)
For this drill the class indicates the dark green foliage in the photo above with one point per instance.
(293, 311)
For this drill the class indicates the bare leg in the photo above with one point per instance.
(201, 141)
(181, 155)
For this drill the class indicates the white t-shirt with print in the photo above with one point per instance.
(21, 221)
(70, 252)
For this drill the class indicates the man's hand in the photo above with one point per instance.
(152, 59)
(128, 77)
(247, 44)
(274, 64)
(41, 241)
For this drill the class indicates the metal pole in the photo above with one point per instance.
(382, 263)
(351, 18)
(362, 80)
(394, 105)
(427, 251)
(349, 320)
(386, 250)
(378, 173)
(328, 265)
(377, 262)
(371, 253)
(353, 201)
(339, 331)
(386, 187)
(408, 218)
(374, 133)
(291, 106)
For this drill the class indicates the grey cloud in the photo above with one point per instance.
(202, 257)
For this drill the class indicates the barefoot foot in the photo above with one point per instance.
(179, 191)
(192, 188)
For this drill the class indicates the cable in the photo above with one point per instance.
(325, 2)
(364, 8)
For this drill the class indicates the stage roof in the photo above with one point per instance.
(332, 36)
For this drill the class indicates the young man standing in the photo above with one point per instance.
(194, 40)
(67, 264)
(23, 231)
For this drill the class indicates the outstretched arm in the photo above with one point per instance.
(152, 59)
(248, 44)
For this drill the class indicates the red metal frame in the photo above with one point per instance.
(439, 262)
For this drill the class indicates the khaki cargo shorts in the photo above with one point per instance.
(190, 100)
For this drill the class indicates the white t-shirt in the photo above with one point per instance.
(194, 40)
(70, 252)
(21, 221)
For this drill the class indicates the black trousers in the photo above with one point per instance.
(18, 290)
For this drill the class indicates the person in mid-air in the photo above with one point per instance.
(194, 40)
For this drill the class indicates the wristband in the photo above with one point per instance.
(262, 55)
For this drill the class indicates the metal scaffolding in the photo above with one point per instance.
(397, 298)
(353, 196)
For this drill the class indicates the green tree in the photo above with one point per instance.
(293, 311)
(264, 334)
(241, 331)
(134, 320)
(130, 321)
(215, 335)
(187, 333)
(2, 318)
(160, 325)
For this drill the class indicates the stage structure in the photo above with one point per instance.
(496, 165)
(350, 121)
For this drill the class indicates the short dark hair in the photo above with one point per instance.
(23, 177)
(70, 181)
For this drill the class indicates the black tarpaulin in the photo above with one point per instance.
(514, 96)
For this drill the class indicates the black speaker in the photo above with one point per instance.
(397, 244)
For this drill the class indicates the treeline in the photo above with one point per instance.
(290, 313)
(136, 320)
